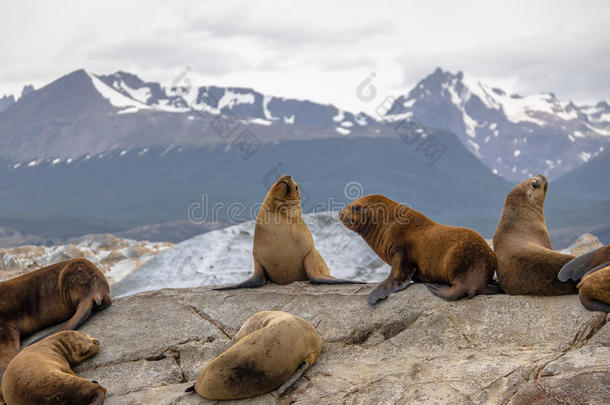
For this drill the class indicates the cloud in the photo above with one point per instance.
(317, 49)
(571, 66)
(277, 29)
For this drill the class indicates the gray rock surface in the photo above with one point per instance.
(412, 348)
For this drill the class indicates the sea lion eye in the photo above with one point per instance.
(355, 208)
(535, 184)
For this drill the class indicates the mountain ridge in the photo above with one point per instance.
(515, 136)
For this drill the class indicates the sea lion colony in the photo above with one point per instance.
(453, 262)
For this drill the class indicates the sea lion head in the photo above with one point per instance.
(532, 191)
(369, 212)
(75, 346)
(284, 192)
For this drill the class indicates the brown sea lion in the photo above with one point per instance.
(593, 272)
(66, 291)
(41, 373)
(284, 250)
(273, 349)
(457, 260)
(527, 263)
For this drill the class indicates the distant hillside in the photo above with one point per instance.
(136, 188)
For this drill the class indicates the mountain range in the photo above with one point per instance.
(111, 153)
(515, 136)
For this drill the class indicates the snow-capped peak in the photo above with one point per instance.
(504, 129)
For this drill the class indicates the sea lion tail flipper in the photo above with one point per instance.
(594, 305)
(449, 293)
(190, 389)
(253, 282)
(258, 279)
(293, 378)
(332, 280)
(83, 311)
(576, 268)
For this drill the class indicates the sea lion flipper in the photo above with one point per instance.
(576, 268)
(383, 290)
(594, 305)
(399, 279)
(258, 279)
(253, 282)
(332, 280)
(293, 378)
(449, 293)
(83, 311)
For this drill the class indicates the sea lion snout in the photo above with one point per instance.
(346, 218)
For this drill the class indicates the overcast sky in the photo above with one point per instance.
(314, 49)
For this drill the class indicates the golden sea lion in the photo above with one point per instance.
(527, 263)
(66, 291)
(42, 373)
(457, 260)
(284, 251)
(593, 272)
(273, 349)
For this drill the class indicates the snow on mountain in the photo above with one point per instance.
(246, 104)
(225, 256)
(515, 136)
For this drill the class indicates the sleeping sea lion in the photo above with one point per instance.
(66, 291)
(42, 373)
(273, 349)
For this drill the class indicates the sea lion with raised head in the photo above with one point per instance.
(527, 263)
(592, 271)
(42, 373)
(455, 262)
(272, 350)
(284, 250)
(66, 291)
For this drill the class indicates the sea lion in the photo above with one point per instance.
(527, 263)
(284, 251)
(593, 272)
(41, 373)
(66, 291)
(273, 349)
(457, 261)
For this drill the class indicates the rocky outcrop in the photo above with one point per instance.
(412, 348)
(584, 244)
(115, 257)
